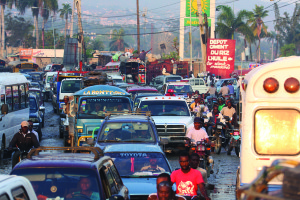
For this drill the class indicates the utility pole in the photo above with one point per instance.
(54, 39)
(203, 46)
(191, 39)
(78, 7)
(138, 25)
(72, 19)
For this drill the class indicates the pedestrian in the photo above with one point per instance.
(142, 55)
(188, 179)
(30, 129)
(24, 140)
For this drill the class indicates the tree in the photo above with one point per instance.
(18, 30)
(228, 23)
(255, 20)
(64, 14)
(3, 3)
(288, 50)
(117, 42)
(271, 37)
(48, 6)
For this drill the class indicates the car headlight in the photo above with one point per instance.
(34, 120)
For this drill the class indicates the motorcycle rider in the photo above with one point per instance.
(224, 90)
(189, 99)
(228, 111)
(221, 103)
(200, 108)
(170, 92)
(231, 88)
(214, 117)
(24, 140)
(196, 132)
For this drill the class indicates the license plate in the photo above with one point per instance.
(236, 133)
(201, 148)
(219, 127)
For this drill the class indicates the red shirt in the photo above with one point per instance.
(186, 183)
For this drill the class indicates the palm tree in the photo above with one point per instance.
(255, 20)
(64, 14)
(117, 42)
(271, 38)
(48, 6)
(228, 23)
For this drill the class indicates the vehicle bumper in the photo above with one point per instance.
(36, 126)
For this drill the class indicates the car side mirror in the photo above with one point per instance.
(116, 197)
(4, 109)
(42, 108)
(164, 141)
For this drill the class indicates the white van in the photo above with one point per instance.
(16, 187)
(198, 84)
(270, 119)
(49, 76)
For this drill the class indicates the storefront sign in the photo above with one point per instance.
(220, 57)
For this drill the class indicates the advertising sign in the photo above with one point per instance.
(25, 54)
(220, 57)
(191, 12)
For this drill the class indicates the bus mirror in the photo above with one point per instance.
(4, 108)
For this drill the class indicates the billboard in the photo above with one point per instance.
(191, 12)
(25, 54)
(220, 57)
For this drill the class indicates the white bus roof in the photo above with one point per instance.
(12, 78)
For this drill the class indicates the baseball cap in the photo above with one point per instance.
(24, 123)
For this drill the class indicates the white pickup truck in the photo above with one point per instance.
(172, 118)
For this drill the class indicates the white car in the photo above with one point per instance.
(181, 89)
(171, 115)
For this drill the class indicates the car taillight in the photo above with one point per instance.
(271, 85)
(291, 85)
(236, 133)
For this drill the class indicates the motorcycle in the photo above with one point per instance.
(235, 141)
(18, 156)
(217, 139)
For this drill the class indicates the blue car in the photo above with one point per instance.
(127, 129)
(139, 165)
(36, 114)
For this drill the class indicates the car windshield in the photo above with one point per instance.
(175, 78)
(118, 80)
(126, 132)
(219, 82)
(165, 108)
(180, 88)
(70, 86)
(35, 77)
(137, 165)
(49, 79)
(34, 85)
(58, 183)
(93, 108)
(33, 105)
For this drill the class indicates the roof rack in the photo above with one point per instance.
(138, 112)
(95, 150)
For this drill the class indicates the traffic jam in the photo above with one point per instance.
(122, 133)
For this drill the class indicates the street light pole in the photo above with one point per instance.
(54, 40)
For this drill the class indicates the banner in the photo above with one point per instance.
(192, 7)
(220, 57)
(26, 54)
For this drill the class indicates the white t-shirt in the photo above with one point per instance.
(196, 135)
(36, 134)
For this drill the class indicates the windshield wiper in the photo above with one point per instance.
(108, 141)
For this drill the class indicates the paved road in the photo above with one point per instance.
(224, 169)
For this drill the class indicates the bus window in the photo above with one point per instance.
(8, 97)
(16, 101)
(26, 95)
(274, 131)
(23, 96)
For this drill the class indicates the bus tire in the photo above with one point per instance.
(237, 151)
(3, 143)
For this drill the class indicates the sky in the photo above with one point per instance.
(165, 9)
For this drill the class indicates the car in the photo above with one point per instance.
(180, 88)
(129, 128)
(37, 77)
(16, 187)
(140, 89)
(198, 84)
(160, 80)
(35, 85)
(172, 118)
(39, 94)
(137, 97)
(133, 164)
(36, 114)
(58, 172)
(126, 85)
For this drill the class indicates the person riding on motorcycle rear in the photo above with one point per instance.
(170, 92)
(214, 117)
(201, 107)
(221, 103)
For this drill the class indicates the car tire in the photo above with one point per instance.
(54, 109)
